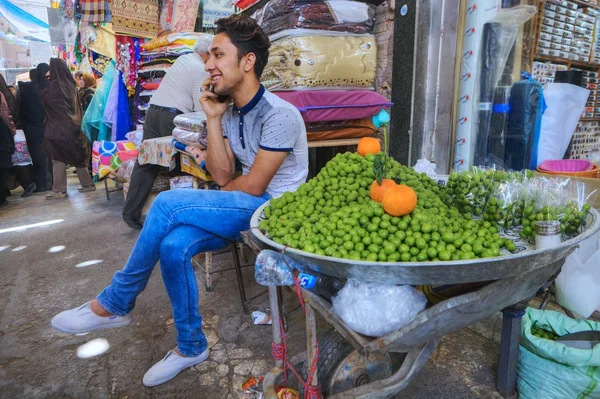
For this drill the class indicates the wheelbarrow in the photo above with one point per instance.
(358, 366)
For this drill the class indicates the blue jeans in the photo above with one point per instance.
(180, 224)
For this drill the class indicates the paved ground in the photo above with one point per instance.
(38, 362)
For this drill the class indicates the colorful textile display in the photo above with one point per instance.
(335, 105)
(171, 49)
(158, 151)
(179, 15)
(116, 112)
(104, 42)
(245, 4)
(92, 10)
(99, 63)
(177, 38)
(321, 62)
(138, 18)
(356, 128)
(340, 15)
(136, 137)
(128, 58)
(107, 117)
(107, 156)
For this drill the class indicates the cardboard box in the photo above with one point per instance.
(189, 165)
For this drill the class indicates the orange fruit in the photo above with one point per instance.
(399, 200)
(368, 145)
(378, 190)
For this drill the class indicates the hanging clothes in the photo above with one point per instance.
(93, 125)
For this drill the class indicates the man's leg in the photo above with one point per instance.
(140, 186)
(219, 213)
(176, 252)
(158, 124)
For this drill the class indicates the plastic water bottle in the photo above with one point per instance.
(271, 269)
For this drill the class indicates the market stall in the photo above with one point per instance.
(491, 256)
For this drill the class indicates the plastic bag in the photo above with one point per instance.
(21, 155)
(316, 61)
(577, 206)
(505, 206)
(377, 309)
(192, 121)
(578, 284)
(340, 15)
(551, 370)
(565, 104)
(523, 126)
(190, 138)
(469, 191)
(499, 35)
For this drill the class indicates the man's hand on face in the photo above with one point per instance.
(212, 107)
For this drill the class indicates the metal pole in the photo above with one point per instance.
(274, 304)
(240, 278)
(509, 349)
(311, 337)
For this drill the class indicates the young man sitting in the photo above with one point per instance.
(267, 135)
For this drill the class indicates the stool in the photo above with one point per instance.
(118, 186)
(207, 269)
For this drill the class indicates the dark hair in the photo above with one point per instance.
(32, 74)
(248, 37)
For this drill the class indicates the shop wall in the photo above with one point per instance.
(384, 35)
(420, 58)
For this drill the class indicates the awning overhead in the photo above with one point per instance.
(24, 22)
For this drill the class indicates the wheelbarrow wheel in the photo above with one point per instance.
(340, 367)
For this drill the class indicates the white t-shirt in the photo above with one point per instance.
(181, 87)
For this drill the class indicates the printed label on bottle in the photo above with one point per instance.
(307, 281)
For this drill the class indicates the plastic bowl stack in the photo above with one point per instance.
(569, 167)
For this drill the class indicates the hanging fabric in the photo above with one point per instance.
(137, 18)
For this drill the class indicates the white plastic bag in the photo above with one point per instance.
(565, 104)
(425, 166)
(578, 284)
(377, 309)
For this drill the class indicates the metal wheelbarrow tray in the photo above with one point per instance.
(513, 279)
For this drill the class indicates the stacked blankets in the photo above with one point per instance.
(323, 60)
(157, 56)
(190, 129)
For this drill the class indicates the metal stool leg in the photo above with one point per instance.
(106, 189)
(208, 271)
(240, 278)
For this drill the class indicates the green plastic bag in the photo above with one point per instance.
(551, 370)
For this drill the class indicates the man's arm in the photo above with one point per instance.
(220, 161)
(278, 138)
(266, 164)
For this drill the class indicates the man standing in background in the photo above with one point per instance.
(178, 93)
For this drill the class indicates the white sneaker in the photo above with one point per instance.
(170, 366)
(82, 319)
